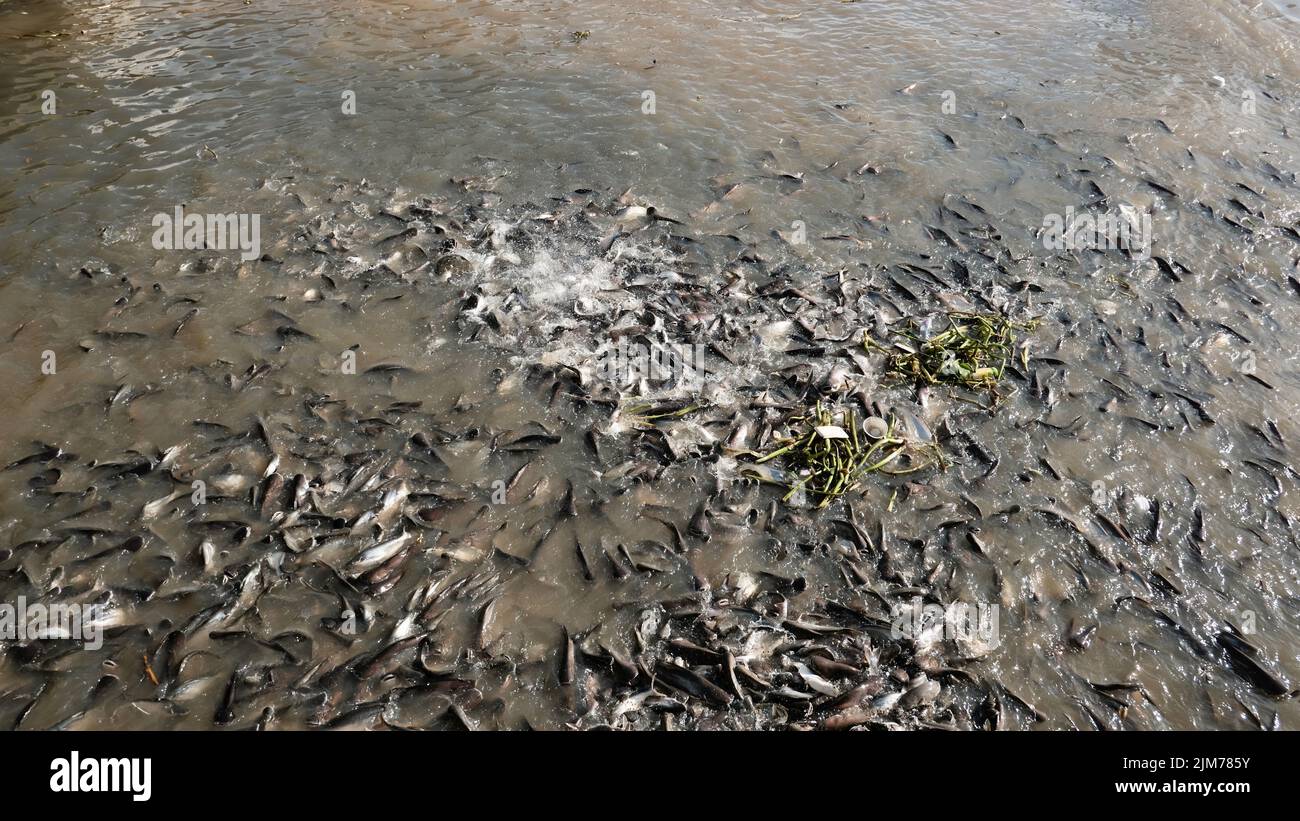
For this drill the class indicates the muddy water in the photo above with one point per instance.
(916, 147)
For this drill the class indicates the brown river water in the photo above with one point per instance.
(368, 472)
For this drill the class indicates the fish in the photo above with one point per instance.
(1244, 659)
(567, 657)
(693, 684)
(374, 556)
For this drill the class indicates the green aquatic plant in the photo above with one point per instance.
(647, 414)
(828, 456)
(972, 352)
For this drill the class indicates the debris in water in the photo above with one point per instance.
(972, 352)
(828, 458)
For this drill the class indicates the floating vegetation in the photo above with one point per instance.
(973, 351)
(828, 456)
(647, 414)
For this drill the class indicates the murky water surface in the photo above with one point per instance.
(372, 473)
